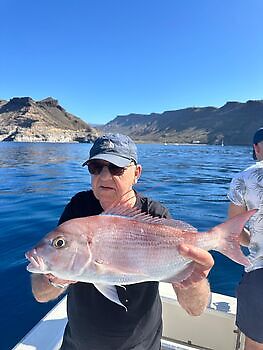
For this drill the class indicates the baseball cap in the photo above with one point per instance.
(258, 137)
(117, 149)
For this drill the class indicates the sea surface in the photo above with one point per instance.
(38, 179)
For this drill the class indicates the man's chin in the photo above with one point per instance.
(106, 193)
(106, 198)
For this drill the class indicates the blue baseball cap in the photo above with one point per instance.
(117, 149)
(258, 137)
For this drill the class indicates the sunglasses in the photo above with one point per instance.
(95, 168)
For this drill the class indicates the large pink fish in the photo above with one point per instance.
(125, 246)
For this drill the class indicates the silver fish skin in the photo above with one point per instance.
(125, 246)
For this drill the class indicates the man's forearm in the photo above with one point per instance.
(195, 298)
(42, 290)
(234, 210)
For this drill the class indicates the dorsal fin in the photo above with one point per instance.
(138, 215)
(122, 210)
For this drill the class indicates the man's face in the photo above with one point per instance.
(109, 188)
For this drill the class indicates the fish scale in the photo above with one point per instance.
(140, 246)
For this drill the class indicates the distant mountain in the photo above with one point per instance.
(234, 123)
(23, 119)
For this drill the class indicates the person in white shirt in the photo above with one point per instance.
(246, 192)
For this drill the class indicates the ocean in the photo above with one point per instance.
(38, 179)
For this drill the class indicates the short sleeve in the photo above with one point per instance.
(237, 191)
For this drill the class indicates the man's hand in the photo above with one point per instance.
(48, 287)
(203, 262)
(193, 293)
(58, 282)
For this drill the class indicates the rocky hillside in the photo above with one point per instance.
(23, 119)
(235, 123)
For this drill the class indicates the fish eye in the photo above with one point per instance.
(59, 242)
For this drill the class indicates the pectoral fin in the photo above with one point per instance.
(110, 292)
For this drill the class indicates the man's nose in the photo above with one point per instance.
(105, 173)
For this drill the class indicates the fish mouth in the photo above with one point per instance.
(36, 262)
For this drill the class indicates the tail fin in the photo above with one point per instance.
(229, 232)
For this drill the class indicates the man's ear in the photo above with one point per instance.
(138, 172)
(256, 148)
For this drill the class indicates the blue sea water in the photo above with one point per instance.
(38, 179)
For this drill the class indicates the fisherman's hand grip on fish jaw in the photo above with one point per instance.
(45, 287)
(58, 282)
(193, 293)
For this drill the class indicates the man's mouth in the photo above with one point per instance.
(107, 188)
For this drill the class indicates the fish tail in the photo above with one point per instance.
(229, 233)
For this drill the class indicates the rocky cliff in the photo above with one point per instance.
(234, 123)
(23, 119)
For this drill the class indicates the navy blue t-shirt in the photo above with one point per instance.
(96, 323)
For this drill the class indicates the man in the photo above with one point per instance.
(245, 194)
(94, 322)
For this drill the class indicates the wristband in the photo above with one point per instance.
(58, 285)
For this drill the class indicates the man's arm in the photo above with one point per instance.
(234, 210)
(43, 289)
(193, 294)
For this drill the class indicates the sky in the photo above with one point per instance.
(105, 58)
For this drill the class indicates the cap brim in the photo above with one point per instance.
(119, 161)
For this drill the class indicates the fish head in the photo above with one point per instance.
(61, 253)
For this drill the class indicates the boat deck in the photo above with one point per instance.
(214, 330)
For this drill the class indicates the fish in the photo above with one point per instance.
(124, 246)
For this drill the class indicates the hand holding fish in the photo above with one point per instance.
(203, 263)
(48, 287)
(58, 282)
(193, 292)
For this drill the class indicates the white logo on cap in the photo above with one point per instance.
(108, 144)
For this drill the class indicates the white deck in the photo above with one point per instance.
(47, 333)
(215, 329)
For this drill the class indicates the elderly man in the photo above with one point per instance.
(245, 194)
(94, 322)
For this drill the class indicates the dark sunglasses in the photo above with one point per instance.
(95, 168)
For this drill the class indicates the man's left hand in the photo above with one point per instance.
(203, 262)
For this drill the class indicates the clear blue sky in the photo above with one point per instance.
(103, 58)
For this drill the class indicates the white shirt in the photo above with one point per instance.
(246, 189)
